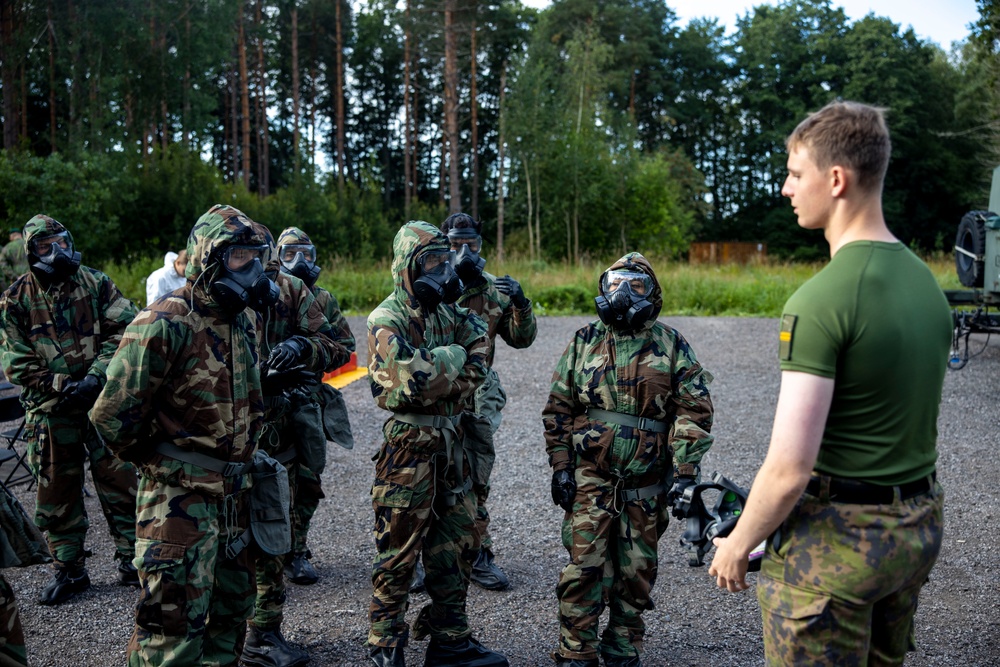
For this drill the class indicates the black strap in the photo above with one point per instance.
(857, 492)
(226, 468)
(622, 419)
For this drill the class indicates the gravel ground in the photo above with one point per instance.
(693, 623)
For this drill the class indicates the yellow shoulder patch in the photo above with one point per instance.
(785, 337)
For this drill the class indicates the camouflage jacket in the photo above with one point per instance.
(652, 373)
(51, 336)
(13, 261)
(516, 326)
(342, 331)
(186, 373)
(419, 361)
(299, 313)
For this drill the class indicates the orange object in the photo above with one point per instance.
(352, 364)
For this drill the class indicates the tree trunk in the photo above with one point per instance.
(244, 104)
(9, 74)
(451, 105)
(500, 165)
(531, 235)
(234, 144)
(264, 152)
(407, 137)
(475, 122)
(186, 102)
(415, 84)
(295, 85)
(338, 90)
(52, 81)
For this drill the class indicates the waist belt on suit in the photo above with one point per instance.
(856, 492)
(640, 423)
(226, 468)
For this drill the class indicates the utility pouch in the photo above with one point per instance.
(336, 425)
(310, 438)
(269, 499)
(479, 446)
(21, 543)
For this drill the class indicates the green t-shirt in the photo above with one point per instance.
(875, 320)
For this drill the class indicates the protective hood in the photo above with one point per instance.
(271, 264)
(412, 240)
(293, 236)
(41, 226)
(169, 259)
(634, 261)
(301, 267)
(221, 226)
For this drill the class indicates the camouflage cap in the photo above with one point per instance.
(412, 240)
(41, 226)
(634, 261)
(219, 227)
(293, 236)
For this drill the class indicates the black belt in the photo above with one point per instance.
(854, 492)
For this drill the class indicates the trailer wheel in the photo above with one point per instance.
(970, 244)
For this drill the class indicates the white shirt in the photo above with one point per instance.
(164, 280)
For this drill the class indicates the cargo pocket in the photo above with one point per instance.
(161, 609)
(390, 494)
(790, 612)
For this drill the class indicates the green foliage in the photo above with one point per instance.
(130, 276)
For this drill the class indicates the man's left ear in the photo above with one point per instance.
(838, 180)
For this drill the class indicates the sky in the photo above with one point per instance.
(940, 21)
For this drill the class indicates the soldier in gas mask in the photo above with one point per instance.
(185, 402)
(297, 254)
(501, 303)
(426, 358)
(628, 413)
(61, 323)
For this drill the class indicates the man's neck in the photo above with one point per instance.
(857, 221)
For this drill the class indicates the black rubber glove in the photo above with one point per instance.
(292, 351)
(80, 395)
(563, 489)
(681, 482)
(512, 288)
(275, 382)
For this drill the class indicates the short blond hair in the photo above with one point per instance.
(849, 134)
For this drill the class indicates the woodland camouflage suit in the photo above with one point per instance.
(296, 313)
(187, 374)
(50, 337)
(13, 261)
(428, 363)
(612, 543)
(518, 328)
(308, 491)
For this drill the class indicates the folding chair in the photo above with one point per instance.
(11, 410)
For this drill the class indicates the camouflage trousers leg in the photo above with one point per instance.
(412, 518)
(116, 484)
(269, 603)
(613, 561)
(842, 585)
(12, 650)
(490, 399)
(194, 601)
(307, 496)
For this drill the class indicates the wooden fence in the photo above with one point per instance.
(731, 252)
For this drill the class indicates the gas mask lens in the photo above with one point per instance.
(44, 246)
(236, 257)
(289, 252)
(473, 243)
(639, 283)
(435, 262)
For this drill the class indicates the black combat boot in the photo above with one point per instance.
(462, 653)
(67, 581)
(300, 571)
(486, 574)
(418, 585)
(619, 661)
(384, 656)
(267, 648)
(127, 574)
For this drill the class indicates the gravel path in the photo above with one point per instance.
(693, 623)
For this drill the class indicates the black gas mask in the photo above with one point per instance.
(466, 244)
(437, 281)
(300, 261)
(624, 303)
(52, 258)
(241, 280)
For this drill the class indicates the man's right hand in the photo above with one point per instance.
(563, 489)
(275, 382)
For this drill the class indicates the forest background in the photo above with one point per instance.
(575, 132)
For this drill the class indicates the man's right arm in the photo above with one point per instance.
(21, 364)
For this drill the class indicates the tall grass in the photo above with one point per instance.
(757, 290)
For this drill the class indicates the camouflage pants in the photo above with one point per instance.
(12, 651)
(412, 517)
(308, 493)
(490, 400)
(613, 563)
(842, 586)
(58, 448)
(269, 603)
(194, 601)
